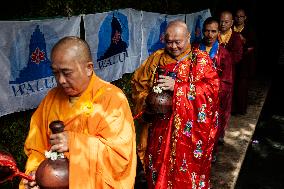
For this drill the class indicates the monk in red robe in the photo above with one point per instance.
(180, 142)
(246, 69)
(223, 64)
(99, 136)
(232, 41)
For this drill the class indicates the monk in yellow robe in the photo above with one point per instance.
(99, 136)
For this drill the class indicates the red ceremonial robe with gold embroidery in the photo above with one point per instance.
(180, 144)
(222, 62)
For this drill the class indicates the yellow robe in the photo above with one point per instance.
(142, 82)
(102, 144)
(143, 77)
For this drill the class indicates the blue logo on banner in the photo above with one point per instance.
(156, 38)
(113, 39)
(30, 79)
(197, 30)
(38, 64)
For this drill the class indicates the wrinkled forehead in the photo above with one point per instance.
(175, 33)
(64, 50)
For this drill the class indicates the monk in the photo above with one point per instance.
(222, 62)
(178, 144)
(246, 69)
(232, 41)
(99, 136)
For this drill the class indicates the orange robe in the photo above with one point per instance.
(102, 142)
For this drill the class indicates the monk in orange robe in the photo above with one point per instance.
(99, 136)
(176, 146)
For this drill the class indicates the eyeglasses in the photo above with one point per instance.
(240, 16)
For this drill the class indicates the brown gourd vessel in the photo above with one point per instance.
(159, 103)
(54, 174)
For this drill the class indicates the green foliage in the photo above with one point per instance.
(13, 131)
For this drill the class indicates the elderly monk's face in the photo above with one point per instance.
(71, 75)
(177, 40)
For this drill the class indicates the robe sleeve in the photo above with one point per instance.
(106, 157)
(37, 140)
(237, 48)
(142, 81)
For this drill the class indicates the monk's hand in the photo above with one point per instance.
(30, 184)
(59, 142)
(166, 82)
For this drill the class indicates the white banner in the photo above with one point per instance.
(115, 41)
(153, 28)
(119, 40)
(194, 23)
(24, 60)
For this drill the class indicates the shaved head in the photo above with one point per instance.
(226, 21)
(177, 38)
(177, 25)
(227, 14)
(71, 64)
(80, 48)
